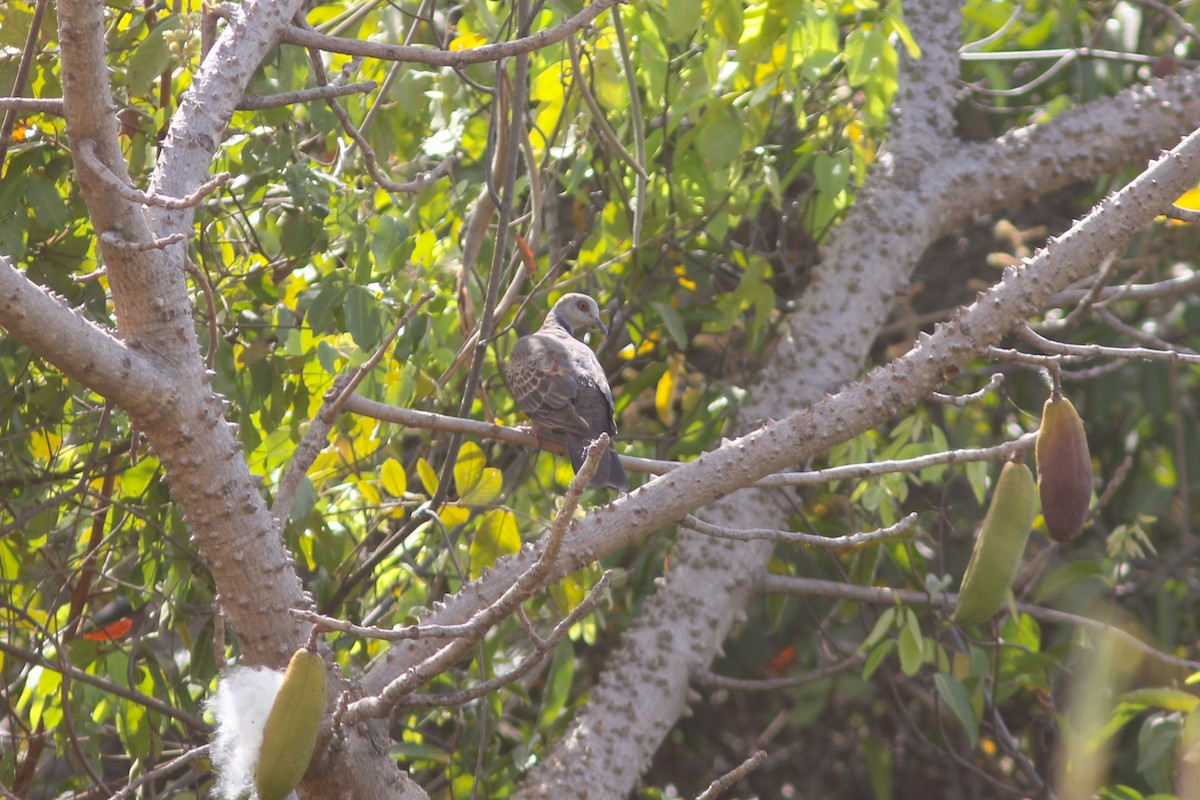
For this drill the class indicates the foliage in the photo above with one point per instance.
(749, 114)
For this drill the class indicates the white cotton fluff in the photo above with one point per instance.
(241, 705)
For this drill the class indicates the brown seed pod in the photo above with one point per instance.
(1064, 468)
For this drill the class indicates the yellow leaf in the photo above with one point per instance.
(422, 254)
(1190, 200)
(569, 592)
(454, 515)
(294, 286)
(629, 352)
(497, 537)
(664, 394)
(468, 467)
(477, 484)
(485, 490)
(369, 492)
(549, 85)
(394, 479)
(428, 477)
(44, 445)
(466, 41)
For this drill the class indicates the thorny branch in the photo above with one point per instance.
(507, 603)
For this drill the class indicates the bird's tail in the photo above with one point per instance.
(610, 474)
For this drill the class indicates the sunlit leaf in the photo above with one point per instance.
(395, 481)
(496, 536)
(429, 478)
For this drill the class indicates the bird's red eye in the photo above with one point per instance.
(581, 305)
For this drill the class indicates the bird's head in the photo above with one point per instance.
(576, 312)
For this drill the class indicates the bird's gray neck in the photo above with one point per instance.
(553, 320)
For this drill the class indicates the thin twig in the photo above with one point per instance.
(210, 301)
(33, 105)
(263, 101)
(1182, 214)
(111, 238)
(1071, 320)
(960, 400)
(733, 776)
(161, 770)
(1103, 351)
(132, 695)
(542, 648)
(85, 151)
(439, 58)
(598, 115)
(22, 77)
(789, 584)
(639, 129)
(711, 679)
(827, 542)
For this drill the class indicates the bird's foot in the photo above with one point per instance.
(534, 430)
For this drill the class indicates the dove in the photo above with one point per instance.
(558, 382)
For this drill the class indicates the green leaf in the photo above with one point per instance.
(911, 644)
(1072, 574)
(558, 686)
(726, 18)
(682, 18)
(880, 769)
(864, 49)
(49, 209)
(1166, 699)
(719, 138)
(875, 659)
(674, 323)
(150, 59)
(881, 627)
(910, 44)
(955, 695)
(362, 317)
(320, 312)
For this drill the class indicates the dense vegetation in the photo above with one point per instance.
(682, 162)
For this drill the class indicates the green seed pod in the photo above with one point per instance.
(1064, 468)
(998, 548)
(290, 734)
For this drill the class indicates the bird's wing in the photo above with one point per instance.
(544, 380)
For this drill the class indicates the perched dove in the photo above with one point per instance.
(557, 381)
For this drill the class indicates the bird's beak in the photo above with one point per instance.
(601, 325)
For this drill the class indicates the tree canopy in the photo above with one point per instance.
(261, 265)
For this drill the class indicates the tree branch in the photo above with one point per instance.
(80, 348)
(456, 59)
(792, 537)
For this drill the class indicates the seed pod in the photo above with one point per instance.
(999, 546)
(1064, 468)
(291, 730)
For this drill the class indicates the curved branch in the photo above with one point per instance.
(456, 59)
(80, 348)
